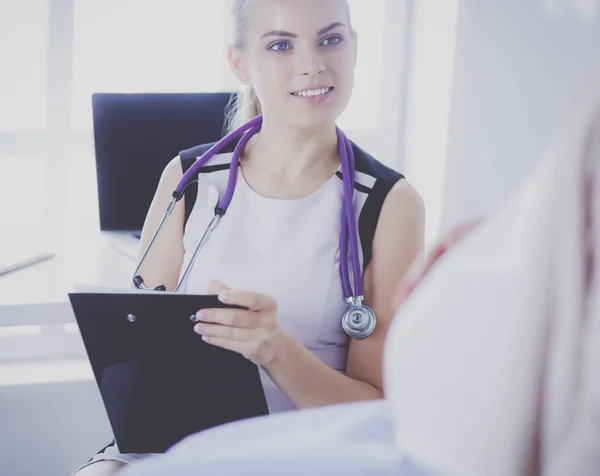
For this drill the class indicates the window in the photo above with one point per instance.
(363, 111)
(59, 52)
(428, 104)
(21, 188)
(23, 50)
(142, 46)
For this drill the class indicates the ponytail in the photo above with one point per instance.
(242, 109)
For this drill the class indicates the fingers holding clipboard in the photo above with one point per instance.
(159, 381)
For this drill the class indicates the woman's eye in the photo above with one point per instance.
(280, 46)
(332, 40)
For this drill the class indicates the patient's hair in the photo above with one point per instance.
(247, 106)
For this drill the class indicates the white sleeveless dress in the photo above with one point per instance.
(286, 248)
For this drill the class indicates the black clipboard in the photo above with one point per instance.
(159, 381)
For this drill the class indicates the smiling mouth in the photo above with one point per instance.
(313, 92)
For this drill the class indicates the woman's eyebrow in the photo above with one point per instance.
(322, 31)
(287, 34)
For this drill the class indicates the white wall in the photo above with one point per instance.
(429, 91)
(516, 70)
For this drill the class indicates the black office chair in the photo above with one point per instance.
(136, 135)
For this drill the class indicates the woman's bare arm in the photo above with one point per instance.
(163, 263)
(398, 241)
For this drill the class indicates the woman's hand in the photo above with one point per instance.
(252, 331)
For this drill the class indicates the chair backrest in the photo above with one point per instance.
(136, 135)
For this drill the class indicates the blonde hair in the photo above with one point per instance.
(245, 106)
(242, 108)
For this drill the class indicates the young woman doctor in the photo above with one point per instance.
(276, 251)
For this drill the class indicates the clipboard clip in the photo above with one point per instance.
(133, 318)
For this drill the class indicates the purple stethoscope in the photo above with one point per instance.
(358, 320)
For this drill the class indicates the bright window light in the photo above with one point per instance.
(363, 111)
(23, 55)
(180, 46)
(21, 188)
(145, 46)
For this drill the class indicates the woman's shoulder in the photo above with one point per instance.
(214, 172)
(220, 160)
(387, 184)
(372, 173)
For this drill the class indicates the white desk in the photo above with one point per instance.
(38, 294)
(36, 319)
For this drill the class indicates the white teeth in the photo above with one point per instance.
(313, 92)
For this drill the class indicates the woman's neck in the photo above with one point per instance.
(291, 154)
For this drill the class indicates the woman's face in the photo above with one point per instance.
(299, 55)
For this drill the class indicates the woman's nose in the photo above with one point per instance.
(310, 62)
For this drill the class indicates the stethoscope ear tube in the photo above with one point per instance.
(253, 126)
(138, 281)
(211, 226)
(358, 321)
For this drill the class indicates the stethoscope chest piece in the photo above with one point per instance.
(358, 320)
